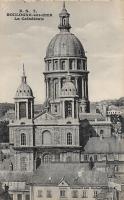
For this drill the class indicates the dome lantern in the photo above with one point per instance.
(64, 19)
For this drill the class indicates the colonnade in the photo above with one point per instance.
(54, 85)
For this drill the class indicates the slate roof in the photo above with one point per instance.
(73, 174)
(92, 116)
(14, 176)
(105, 145)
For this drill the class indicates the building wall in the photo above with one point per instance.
(57, 135)
(15, 135)
(69, 192)
(28, 161)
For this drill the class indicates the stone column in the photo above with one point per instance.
(87, 88)
(59, 82)
(51, 88)
(75, 66)
(31, 109)
(73, 108)
(77, 109)
(83, 88)
(59, 64)
(67, 66)
(15, 110)
(18, 110)
(27, 108)
(63, 109)
(46, 84)
(76, 83)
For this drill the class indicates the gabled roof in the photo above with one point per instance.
(70, 173)
(44, 117)
(91, 116)
(63, 183)
(105, 145)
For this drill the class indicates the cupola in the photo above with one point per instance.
(24, 100)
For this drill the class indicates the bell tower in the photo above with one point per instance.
(24, 100)
(21, 131)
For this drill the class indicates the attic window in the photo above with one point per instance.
(24, 90)
(20, 91)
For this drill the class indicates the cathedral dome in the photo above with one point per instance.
(65, 44)
(24, 90)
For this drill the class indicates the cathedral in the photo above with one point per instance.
(59, 133)
(66, 151)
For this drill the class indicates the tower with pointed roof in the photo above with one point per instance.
(24, 100)
(21, 135)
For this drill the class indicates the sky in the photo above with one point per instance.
(98, 24)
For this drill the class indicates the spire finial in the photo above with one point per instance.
(23, 70)
(23, 75)
(63, 4)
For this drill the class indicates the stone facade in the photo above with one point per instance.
(65, 132)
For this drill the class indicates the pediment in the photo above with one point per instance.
(44, 117)
(62, 183)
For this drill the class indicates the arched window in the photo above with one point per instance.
(63, 21)
(69, 159)
(62, 65)
(68, 109)
(63, 80)
(55, 108)
(46, 138)
(71, 64)
(79, 64)
(47, 158)
(22, 109)
(69, 138)
(101, 133)
(23, 139)
(56, 65)
(23, 164)
(55, 88)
